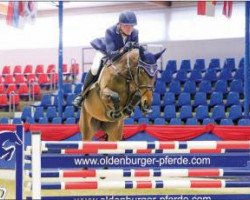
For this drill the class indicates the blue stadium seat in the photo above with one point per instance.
(156, 112)
(241, 63)
(214, 64)
(181, 76)
(239, 74)
(159, 121)
(26, 113)
(175, 87)
(199, 64)
(78, 88)
(169, 98)
(17, 120)
(171, 65)
(67, 89)
(129, 121)
(226, 122)
(68, 112)
(156, 99)
(160, 87)
(169, 112)
(30, 120)
(200, 98)
(51, 113)
(229, 63)
(167, 76)
(244, 122)
(70, 120)
(192, 121)
(186, 112)
(143, 120)
(205, 86)
(207, 121)
(190, 87)
(137, 113)
(78, 114)
(211, 75)
(69, 99)
(196, 75)
(221, 86)
(38, 113)
(46, 101)
(185, 65)
(216, 99)
(175, 121)
(4, 120)
(55, 101)
(43, 120)
(236, 86)
(233, 98)
(226, 74)
(56, 120)
(184, 99)
(235, 112)
(218, 113)
(202, 112)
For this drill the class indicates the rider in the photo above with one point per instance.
(117, 39)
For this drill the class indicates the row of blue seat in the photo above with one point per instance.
(201, 112)
(199, 64)
(204, 86)
(41, 120)
(189, 121)
(211, 74)
(51, 112)
(199, 98)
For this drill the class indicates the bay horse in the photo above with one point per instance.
(122, 84)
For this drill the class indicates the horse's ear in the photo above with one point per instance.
(158, 55)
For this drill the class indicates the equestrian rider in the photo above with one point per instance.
(117, 38)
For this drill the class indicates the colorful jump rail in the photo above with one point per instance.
(163, 173)
(135, 151)
(226, 164)
(153, 184)
(148, 145)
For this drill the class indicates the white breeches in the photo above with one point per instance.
(96, 63)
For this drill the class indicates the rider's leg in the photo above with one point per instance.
(90, 78)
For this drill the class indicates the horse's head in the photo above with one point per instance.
(147, 74)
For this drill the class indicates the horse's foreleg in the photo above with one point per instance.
(88, 129)
(132, 103)
(114, 130)
(114, 99)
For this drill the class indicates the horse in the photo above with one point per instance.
(7, 150)
(122, 84)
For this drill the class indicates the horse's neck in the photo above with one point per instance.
(128, 61)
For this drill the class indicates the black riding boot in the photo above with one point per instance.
(87, 82)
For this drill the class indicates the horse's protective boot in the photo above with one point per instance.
(87, 82)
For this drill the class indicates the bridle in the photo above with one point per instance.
(134, 78)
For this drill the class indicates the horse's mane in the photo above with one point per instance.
(133, 57)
